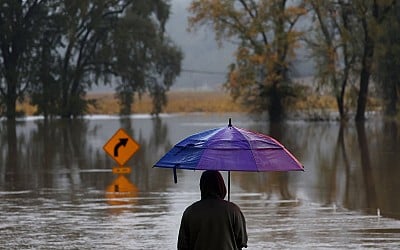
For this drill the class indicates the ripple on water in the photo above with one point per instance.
(151, 221)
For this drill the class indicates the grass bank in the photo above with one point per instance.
(311, 106)
(178, 101)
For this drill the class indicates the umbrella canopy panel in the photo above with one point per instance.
(230, 149)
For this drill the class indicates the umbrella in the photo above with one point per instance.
(229, 148)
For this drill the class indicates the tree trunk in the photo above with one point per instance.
(275, 110)
(362, 94)
(339, 101)
(366, 64)
(391, 109)
(11, 105)
(11, 99)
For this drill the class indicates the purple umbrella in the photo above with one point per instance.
(229, 149)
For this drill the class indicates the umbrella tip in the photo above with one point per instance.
(230, 122)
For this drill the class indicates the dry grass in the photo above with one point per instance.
(26, 108)
(178, 101)
(314, 102)
(189, 101)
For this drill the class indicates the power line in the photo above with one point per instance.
(204, 72)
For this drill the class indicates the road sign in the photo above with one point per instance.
(121, 147)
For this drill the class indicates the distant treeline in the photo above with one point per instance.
(353, 43)
(53, 51)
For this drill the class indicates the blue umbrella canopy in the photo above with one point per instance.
(230, 149)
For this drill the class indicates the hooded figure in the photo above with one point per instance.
(212, 222)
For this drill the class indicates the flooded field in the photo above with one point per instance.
(57, 189)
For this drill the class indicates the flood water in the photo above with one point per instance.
(57, 189)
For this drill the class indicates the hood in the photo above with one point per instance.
(212, 185)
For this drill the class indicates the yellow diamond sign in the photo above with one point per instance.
(121, 147)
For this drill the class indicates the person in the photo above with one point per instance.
(212, 222)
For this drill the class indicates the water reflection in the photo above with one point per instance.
(346, 165)
(60, 165)
(355, 166)
(121, 191)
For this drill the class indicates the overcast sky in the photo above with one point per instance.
(201, 52)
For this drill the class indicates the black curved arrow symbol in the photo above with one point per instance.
(122, 142)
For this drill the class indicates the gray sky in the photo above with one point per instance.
(201, 52)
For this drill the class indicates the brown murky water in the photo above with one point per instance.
(57, 190)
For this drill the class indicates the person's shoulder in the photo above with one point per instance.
(194, 205)
(233, 206)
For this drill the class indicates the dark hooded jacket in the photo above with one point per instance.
(212, 222)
